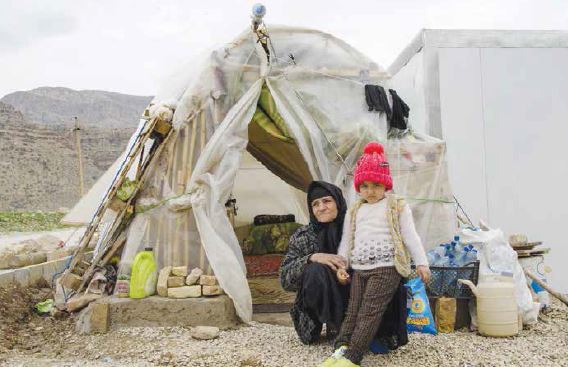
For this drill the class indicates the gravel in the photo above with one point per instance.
(263, 345)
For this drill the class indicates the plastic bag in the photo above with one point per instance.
(419, 313)
(497, 257)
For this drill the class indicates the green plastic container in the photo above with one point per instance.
(144, 275)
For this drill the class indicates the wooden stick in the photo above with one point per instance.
(152, 155)
(90, 231)
(563, 298)
(202, 145)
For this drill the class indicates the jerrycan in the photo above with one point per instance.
(497, 310)
(144, 275)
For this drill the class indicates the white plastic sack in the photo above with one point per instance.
(497, 257)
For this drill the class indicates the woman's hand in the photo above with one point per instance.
(424, 273)
(333, 261)
(342, 276)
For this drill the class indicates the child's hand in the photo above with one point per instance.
(342, 276)
(424, 273)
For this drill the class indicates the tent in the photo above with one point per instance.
(294, 99)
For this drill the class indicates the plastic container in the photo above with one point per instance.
(144, 275)
(497, 310)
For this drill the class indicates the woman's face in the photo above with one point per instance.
(324, 209)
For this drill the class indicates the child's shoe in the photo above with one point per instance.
(344, 362)
(337, 355)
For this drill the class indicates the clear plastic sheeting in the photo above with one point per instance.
(317, 83)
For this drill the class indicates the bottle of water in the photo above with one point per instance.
(448, 261)
(459, 246)
(434, 258)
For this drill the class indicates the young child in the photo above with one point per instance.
(377, 237)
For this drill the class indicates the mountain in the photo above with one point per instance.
(39, 164)
(57, 106)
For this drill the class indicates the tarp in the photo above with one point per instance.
(317, 85)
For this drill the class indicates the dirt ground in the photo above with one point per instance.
(28, 339)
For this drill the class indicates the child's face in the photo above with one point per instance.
(372, 192)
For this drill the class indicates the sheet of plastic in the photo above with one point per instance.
(317, 82)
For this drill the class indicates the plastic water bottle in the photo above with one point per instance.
(448, 261)
(434, 258)
(459, 246)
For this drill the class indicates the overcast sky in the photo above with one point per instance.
(131, 46)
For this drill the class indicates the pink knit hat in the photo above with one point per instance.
(372, 166)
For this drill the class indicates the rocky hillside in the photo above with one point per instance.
(38, 165)
(58, 106)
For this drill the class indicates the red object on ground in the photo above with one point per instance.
(261, 265)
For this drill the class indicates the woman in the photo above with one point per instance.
(309, 268)
(311, 262)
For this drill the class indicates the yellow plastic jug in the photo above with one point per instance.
(497, 310)
(144, 275)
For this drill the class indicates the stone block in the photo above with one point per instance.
(94, 319)
(176, 282)
(179, 271)
(208, 280)
(193, 277)
(189, 291)
(212, 290)
(162, 286)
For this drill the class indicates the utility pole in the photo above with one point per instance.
(77, 131)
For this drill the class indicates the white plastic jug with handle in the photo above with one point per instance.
(497, 310)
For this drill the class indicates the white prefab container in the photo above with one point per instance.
(498, 99)
(497, 311)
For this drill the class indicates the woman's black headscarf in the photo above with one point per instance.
(329, 234)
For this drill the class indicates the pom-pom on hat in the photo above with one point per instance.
(372, 166)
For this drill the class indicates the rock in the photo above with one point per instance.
(189, 291)
(212, 290)
(176, 282)
(204, 332)
(193, 277)
(162, 286)
(180, 271)
(208, 280)
(78, 302)
(94, 319)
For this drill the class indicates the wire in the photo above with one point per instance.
(463, 211)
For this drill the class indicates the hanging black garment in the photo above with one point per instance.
(400, 111)
(377, 100)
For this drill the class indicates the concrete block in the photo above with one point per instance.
(180, 271)
(162, 286)
(35, 273)
(208, 280)
(176, 282)
(6, 278)
(193, 277)
(212, 290)
(21, 277)
(158, 311)
(188, 291)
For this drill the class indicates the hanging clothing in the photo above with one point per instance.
(400, 111)
(377, 100)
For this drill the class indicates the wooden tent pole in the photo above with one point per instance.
(77, 131)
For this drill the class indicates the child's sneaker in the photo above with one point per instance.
(344, 362)
(336, 356)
